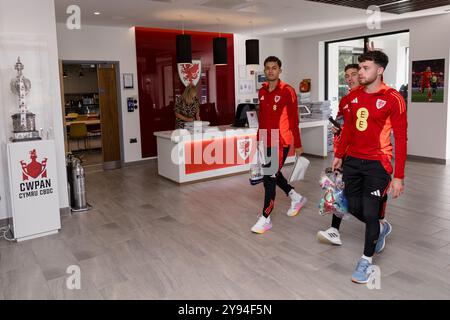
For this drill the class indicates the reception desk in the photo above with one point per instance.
(223, 150)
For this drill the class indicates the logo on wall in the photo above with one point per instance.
(244, 147)
(34, 169)
(190, 72)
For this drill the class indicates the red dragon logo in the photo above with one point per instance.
(34, 169)
(244, 147)
(190, 72)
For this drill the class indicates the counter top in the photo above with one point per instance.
(212, 132)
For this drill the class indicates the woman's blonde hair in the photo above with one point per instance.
(189, 94)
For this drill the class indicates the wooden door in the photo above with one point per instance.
(63, 104)
(109, 116)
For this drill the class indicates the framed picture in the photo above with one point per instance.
(260, 79)
(428, 80)
(128, 82)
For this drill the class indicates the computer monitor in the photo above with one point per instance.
(241, 114)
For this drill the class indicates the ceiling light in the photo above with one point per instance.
(284, 29)
(183, 48)
(96, 13)
(220, 56)
(252, 52)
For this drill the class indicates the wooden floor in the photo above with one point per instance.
(148, 238)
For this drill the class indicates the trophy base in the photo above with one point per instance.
(25, 136)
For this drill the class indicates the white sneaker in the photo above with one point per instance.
(262, 225)
(330, 236)
(297, 203)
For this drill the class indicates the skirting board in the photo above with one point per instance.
(427, 159)
(139, 162)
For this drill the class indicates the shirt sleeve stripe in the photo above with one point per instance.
(401, 101)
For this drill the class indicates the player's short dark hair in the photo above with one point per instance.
(273, 59)
(378, 57)
(351, 66)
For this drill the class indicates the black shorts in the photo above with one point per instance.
(365, 178)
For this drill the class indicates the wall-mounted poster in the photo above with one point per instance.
(246, 86)
(428, 80)
(260, 79)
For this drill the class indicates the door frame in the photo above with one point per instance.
(365, 38)
(119, 98)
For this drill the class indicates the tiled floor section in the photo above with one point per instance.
(148, 238)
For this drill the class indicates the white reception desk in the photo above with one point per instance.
(223, 150)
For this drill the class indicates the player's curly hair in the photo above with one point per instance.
(379, 57)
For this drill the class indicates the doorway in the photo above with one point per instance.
(91, 113)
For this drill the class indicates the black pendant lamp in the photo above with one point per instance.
(220, 55)
(252, 51)
(184, 49)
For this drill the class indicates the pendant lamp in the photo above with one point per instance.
(220, 55)
(252, 51)
(184, 49)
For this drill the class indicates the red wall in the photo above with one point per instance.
(159, 82)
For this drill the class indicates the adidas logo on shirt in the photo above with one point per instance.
(376, 193)
(355, 100)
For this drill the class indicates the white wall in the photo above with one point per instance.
(428, 132)
(35, 23)
(93, 43)
(267, 47)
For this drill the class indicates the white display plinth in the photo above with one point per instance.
(33, 189)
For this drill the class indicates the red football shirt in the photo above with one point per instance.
(279, 110)
(369, 119)
(342, 104)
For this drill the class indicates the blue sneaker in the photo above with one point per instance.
(362, 272)
(387, 229)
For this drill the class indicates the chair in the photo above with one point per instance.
(77, 132)
(82, 117)
(72, 115)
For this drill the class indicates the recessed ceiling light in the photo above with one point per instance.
(284, 29)
(96, 13)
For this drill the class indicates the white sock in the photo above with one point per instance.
(294, 195)
(367, 258)
(381, 227)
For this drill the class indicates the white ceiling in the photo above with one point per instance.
(280, 18)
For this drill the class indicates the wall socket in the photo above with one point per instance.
(133, 140)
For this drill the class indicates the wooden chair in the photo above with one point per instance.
(78, 131)
(72, 116)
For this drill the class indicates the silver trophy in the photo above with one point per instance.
(24, 126)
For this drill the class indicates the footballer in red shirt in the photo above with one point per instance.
(278, 130)
(426, 82)
(374, 110)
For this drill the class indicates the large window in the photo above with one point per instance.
(339, 53)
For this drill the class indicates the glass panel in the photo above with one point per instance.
(341, 54)
(396, 46)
